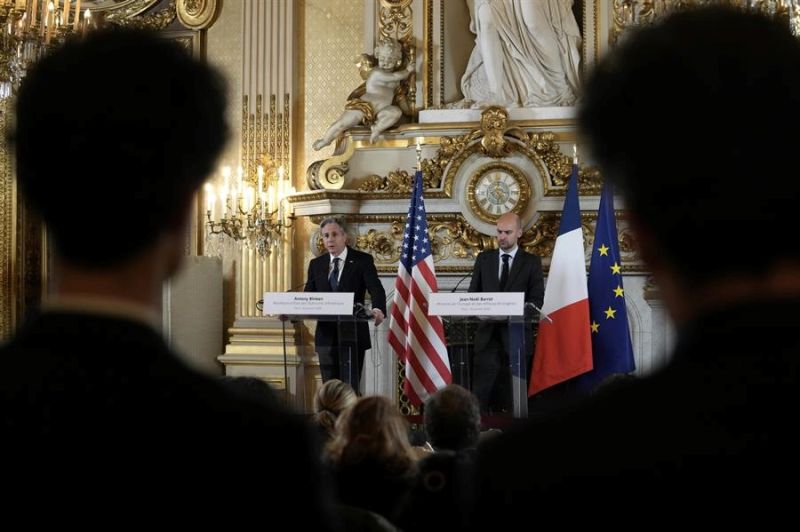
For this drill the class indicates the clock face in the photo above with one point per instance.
(496, 190)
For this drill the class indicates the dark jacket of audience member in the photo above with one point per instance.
(114, 134)
(683, 116)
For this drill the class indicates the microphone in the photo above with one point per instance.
(362, 311)
(459, 282)
(537, 309)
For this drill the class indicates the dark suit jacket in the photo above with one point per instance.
(525, 275)
(712, 437)
(358, 276)
(97, 412)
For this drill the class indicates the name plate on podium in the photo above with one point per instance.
(477, 304)
(308, 303)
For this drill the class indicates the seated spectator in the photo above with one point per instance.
(333, 398)
(452, 418)
(371, 458)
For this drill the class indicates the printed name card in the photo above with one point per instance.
(308, 303)
(477, 304)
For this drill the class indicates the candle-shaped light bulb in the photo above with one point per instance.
(239, 177)
(271, 198)
(281, 171)
(261, 187)
(223, 199)
(50, 20)
(226, 175)
(208, 189)
(77, 16)
(65, 14)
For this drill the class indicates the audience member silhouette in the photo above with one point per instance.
(253, 388)
(684, 117)
(333, 398)
(372, 460)
(452, 418)
(453, 422)
(113, 135)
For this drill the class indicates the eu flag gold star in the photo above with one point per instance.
(603, 249)
(595, 326)
(610, 313)
(618, 291)
(616, 268)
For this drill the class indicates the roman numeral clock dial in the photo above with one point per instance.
(496, 190)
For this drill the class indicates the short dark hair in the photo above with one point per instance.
(452, 418)
(334, 220)
(114, 134)
(694, 118)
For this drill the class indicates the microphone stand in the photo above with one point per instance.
(285, 365)
(464, 350)
(537, 309)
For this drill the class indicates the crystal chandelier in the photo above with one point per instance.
(250, 209)
(29, 29)
(629, 13)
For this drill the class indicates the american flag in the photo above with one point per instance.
(417, 338)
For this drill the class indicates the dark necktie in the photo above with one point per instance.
(504, 271)
(334, 278)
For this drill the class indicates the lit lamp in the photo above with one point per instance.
(29, 29)
(250, 209)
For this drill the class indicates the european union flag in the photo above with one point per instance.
(611, 337)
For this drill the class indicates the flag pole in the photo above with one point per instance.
(419, 156)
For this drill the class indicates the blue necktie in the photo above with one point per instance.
(334, 278)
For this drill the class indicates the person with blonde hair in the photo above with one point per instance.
(372, 459)
(332, 398)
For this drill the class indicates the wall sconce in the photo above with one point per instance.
(251, 208)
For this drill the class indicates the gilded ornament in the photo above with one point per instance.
(197, 14)
(494, 126)
(132, 16)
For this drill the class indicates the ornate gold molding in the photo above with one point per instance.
(396, 21)
(129, 15)
(452, 237)
(265, 135)
(6, 231)
(631, 13)
(197, 14)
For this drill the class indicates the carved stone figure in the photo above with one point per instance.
(372, 103)
(526, 54)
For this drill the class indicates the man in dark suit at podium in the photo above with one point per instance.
(344, 269)
(509, 269)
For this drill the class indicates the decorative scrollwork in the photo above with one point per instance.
(494, 126)
(398, 181)
(197, 14)
(157, 20)
(627, 242)
(396, 19)
(558, 164)
(384, 246)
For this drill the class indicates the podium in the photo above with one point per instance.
(337, 337)
(465, 314)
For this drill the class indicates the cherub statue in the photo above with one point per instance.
(372, 103)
